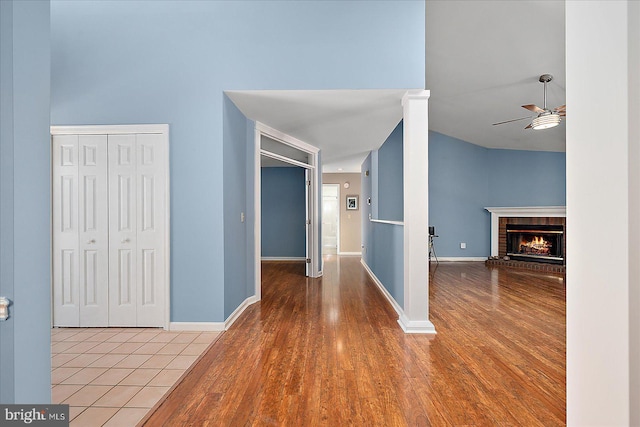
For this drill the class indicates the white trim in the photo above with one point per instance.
(214, 326)
(283, 258)
(525, 211)
(197, 326)
(109, 129)
(462, 258)
(257, 214)
(384, 221)
(285, 159)
(286, 139)
(238, 311)
(350, 253)
(533, 211)
(162, 129)
(384, 291)
(416, 327)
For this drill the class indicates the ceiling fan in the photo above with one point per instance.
(546, 118)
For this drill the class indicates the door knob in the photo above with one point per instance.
(91, 241)
(125, 240)
(4, 308)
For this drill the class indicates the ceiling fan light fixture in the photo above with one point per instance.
(545, 121)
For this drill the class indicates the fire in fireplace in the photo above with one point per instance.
(542, 243)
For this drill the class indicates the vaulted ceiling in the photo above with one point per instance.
(483, 61)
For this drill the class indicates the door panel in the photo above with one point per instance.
(93, 235)
(122, 230)
(150, 230)
(66, 288)
(109, 229)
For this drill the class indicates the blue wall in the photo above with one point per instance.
(236, 148)
(25, 168)
(388, 258)
(170, 61)
(465, 178)
(458, 194)
(390, 199)
(526, 178)
(383, 244)
(283, 212)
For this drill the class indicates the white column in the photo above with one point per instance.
(599, 284)
(415, 318)
(495, 233)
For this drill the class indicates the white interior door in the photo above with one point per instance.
(150, 236)
(330, 218)
(66, 289)
(122, 230)
(110, 200)
(93, 230)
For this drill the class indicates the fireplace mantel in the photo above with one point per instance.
(527, 211)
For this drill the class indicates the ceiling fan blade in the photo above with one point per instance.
(561, 108)
(534, 108)
(562, 113)
(529, 127)
(509, 121)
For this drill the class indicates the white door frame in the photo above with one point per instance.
(339, 211)
(312, 244)
(162, 129)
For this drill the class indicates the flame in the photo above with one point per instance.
(537, 242)
(536, 245)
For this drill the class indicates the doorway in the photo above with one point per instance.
(330, 219)
(275, 145)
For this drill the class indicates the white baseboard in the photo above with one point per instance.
(238, 311)
(350, 253)
(384, 291)
(416, 327)
(214, 326)
(282, 258)
(196, 326)
(460, 258)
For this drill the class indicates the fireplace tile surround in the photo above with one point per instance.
(533, 215)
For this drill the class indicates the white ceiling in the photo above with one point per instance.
(483, 60)
(345, 124)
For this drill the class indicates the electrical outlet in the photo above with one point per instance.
(463, 245)
(241, 216)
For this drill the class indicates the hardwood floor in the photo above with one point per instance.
(329, 351)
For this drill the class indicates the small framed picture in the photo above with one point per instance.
(352, 203)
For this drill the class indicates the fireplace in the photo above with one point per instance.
(538, 243)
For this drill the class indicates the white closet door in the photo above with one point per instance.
(93, 230)
(122, 230)
(150, 235)
(66, 292)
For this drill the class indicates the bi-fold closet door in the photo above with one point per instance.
(109, 227)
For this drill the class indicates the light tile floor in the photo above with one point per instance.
(114, 376)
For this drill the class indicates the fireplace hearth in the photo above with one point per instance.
(537, 243)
